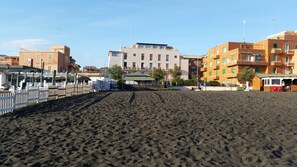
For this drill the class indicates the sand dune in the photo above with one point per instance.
(154, 129)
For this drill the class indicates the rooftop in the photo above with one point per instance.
(276, 75)
(151, 44)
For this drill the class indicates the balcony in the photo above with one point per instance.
(276, 50)
(216, 77)
(248, 62)
(216, 67)
(289, 64)
(203, 69)
(290, 52)
(232, 75)
(216, 56)
(276, 63)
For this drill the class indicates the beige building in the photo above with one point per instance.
(9, 60)
(57, 58)
(142, 56)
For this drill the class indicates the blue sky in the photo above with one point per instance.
(93, 27)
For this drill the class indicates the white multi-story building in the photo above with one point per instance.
(145, 56)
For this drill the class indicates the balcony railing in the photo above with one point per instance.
(276, 50)
(248, 62)
(216, 56)
(203, 69)
(290, 52)
(289, 64)
(276, 63)
(217, 67)
(217, 77)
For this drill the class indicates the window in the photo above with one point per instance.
(134, 64)
(217, 62)
(274, 45)
(275, 81)
(210, 73)
(125, 56)
(217, 52)
(162, 47)
(142, 65)
(115, 54)
(232, 58)
(49, 58)
(37, 58)
(159, 65)
(257, 58)
(125, 64)
(151, 65)
(224, 71)
(167, 66)
(287, 47)
(217, 72)
(257, 70)
(159, 57)
(274, 57)
(142, 56)
(246, 57)
(141, 46)
(175, 56)
(155, 46)
(167, 57)
(210, 64)
(224, 49)
(233, 70)
(148, 46)
(287, 59)
(49, 68)
(151, 57)
(210, 54)
(204, 74)
(274, 70)
(224, 61)
(134, 54)
(295, 46)
(287, 71)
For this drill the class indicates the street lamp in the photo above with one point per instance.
(198, 83)
(41, 76)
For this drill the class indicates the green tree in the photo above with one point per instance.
(158, 74)
(175, 73)
(246, 75)
(115, 71)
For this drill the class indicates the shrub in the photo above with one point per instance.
(240, 88)
(213, 83)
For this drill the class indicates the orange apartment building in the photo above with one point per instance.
(57, 58)
(274, 55)
(9, 60)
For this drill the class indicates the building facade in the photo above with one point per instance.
(274, 55)
(190, 66)
(9, 60)
(143, 56)
(57, 58)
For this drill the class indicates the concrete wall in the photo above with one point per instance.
(184, 66)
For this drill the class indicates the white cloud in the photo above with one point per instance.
(12, 47)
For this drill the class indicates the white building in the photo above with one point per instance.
(145, 56)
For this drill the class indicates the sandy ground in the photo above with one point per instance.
(154, 129)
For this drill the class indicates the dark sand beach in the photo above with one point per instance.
(154, 129)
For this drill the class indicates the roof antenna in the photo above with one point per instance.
(244, 22)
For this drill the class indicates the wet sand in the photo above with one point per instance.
(154, 129)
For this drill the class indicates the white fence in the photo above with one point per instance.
(22, 98)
